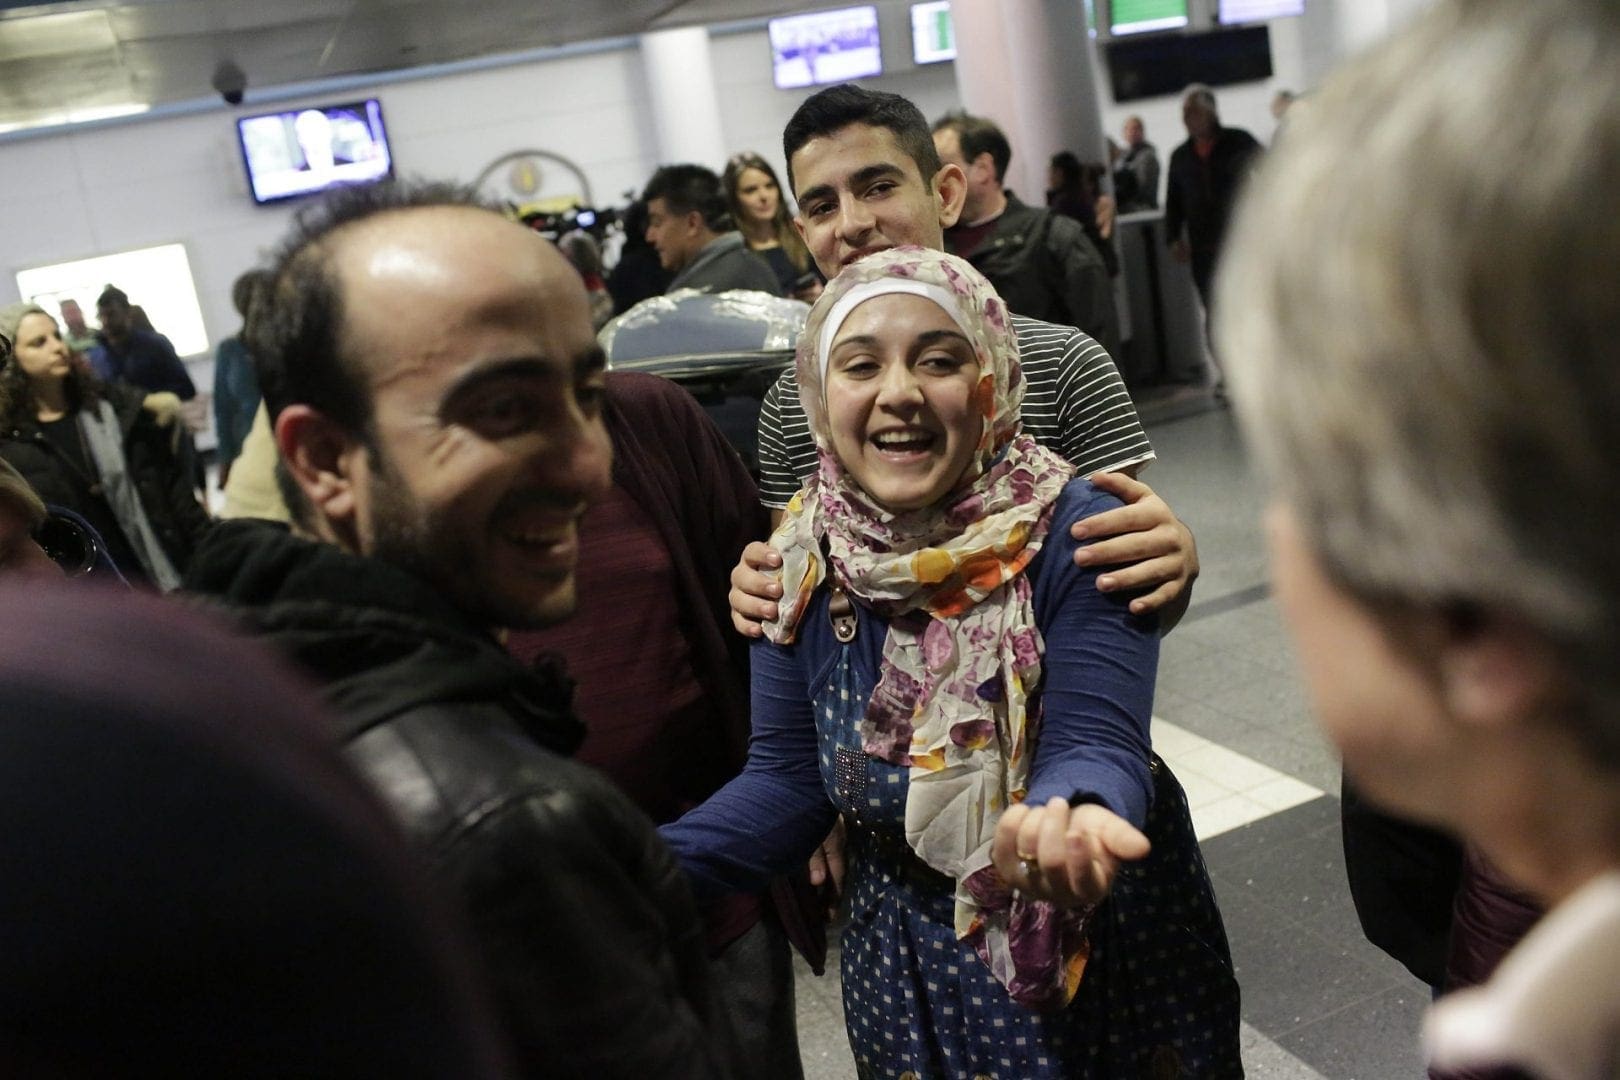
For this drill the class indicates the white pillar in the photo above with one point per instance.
(1027, 65)
(685, 104)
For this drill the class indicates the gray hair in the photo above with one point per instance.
(1200, 93)
(1419, 311)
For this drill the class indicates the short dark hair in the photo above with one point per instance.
(685, 188)
(837, 107)
(1067, 163)
(294, 334)
(978, 136)
(112, 294)
(245, 290)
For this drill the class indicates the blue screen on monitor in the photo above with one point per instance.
(826, 47)
(302, 151)
(1246, 11)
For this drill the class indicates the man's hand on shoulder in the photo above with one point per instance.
(1148, 544)
(754, 592)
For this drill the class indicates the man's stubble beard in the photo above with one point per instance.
(406, 535)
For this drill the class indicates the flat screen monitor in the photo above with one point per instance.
(1158, 65)
(826, 47)
(302, 151)
(1248, 11)
(932, 37)
(1141, 16)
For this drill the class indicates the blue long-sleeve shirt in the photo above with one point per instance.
(1098, 677)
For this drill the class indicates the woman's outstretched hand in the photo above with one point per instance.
(1064, 854)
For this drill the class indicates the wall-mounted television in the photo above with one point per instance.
(302, 151)
(933, 38)
(1248, 11)
(1159, 65)
(826, 47)
(1142, 16)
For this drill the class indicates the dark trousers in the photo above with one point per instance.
(754, 975)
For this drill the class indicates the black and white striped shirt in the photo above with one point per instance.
(1074, 403)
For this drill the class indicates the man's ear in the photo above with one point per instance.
(323, 459)
(1494, 671)
(950, 191)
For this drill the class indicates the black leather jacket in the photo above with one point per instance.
(586, 924)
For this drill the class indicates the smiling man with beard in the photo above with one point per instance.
(435, 389)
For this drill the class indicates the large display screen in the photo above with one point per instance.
(826, 47)
(1141, 16)
(302, 151)
(1247, 11)
(933, 38)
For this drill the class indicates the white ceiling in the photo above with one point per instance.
(64, 61)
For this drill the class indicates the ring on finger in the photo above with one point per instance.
(1030, 868)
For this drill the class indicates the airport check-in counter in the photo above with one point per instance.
(1161, 317)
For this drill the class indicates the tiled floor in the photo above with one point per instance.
(1231, 718)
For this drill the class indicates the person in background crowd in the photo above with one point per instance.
(1206, 173)
(202, 887)
(761, 214)
(80, 338)
(124, 352)
(1073, 192)
(932, 611)
(236, 387)
(638, 274)
(436, 393)
(581, 249)
(1432, 395)
(1136, 170)
(92, 448)
(1043, 265)
(697, 241)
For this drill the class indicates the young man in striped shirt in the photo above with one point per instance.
(866, 175)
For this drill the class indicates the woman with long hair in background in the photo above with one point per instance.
(755, 199)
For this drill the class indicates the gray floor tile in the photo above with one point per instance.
(1374, 1039)
(1290, 976)
(1200, 719)
(1265, 1060)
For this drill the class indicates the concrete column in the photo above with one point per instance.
(685, 104)
(1027, 65)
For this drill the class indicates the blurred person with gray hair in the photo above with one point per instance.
(1433, 394)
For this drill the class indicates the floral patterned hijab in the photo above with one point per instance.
(953, 698)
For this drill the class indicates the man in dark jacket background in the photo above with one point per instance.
(1041, 263)
(1206, 173)
(690, 225)
(125, 352)
(436, 393)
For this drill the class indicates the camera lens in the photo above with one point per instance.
(69, 544)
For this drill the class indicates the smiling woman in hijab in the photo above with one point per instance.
(1026, 895)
